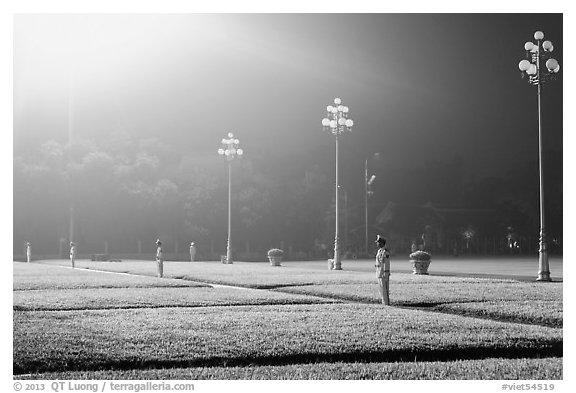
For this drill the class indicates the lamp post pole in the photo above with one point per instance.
(230, 150)
(337, 122)
(537, 53)
(366, 208)
(228, 245)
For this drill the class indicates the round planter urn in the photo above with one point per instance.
(275, 261)
(420, 261)
(275, 256)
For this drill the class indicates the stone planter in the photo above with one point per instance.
(420, 267)
(275, 261)
(420, 261)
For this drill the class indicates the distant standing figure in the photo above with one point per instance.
(383, 270)
(159, 258)
(28, 252)
(73, 254)
(192, 252)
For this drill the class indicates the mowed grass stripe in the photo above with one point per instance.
(510, 301)
(250, 275)
(35, 276)
(263, 335)
(545, 313)
(494, 369)
(154, 297)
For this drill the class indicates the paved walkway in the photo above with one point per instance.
(520, 268)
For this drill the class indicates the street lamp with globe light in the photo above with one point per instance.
(536, 54)
(337, 122)
(230, 150)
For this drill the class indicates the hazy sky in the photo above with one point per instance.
(418, 85)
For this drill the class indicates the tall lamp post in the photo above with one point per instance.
(337, 122)
(230, 150)
(536, 55)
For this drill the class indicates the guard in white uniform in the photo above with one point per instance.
(192, 252)
(28, 252)
(73, 254)
(383, 270)
(159, 258)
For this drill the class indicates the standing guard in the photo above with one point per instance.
(159, 258)
(28, 252)
(192, 252)
(383, 270)
(73, 254)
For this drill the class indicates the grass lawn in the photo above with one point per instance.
(493, 368)
(311, 324)
(246, 274)
(33, 276)
(492, 298)
(154, 297)
(216, 336)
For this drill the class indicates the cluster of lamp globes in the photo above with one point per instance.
(339, 114)
(231, 147)
(531, 68)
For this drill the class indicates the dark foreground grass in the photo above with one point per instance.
(263, 335)
(493, 368)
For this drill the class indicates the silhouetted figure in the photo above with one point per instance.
(28, 252)
(159, 258)
(192, 252)
(73, 254)
(383, 270)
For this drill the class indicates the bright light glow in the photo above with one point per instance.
(345, 109)
(333, 124)
(227, 152)
(220, 151)
(552, 64)
(532, 69)
(337, 101)
(524, 65)
(329, 108)
(230, 135)
(538, 35)
(341, 121)
(224, 141)
(239, 152)
(340, 108)
(528, 46)
(236, 141)
(349, 123)
(325, 122)
(547, 45)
